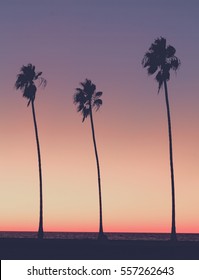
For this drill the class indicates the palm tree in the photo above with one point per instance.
(160, 59)
(26, 83)
(86, 98)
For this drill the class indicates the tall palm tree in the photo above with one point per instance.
(159, 60)
(86, 98)
(26, 83)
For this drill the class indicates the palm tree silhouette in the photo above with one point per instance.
(25, 82)
(160, 59)
(86, 98)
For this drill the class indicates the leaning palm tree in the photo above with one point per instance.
(86, 98)
(160, 59)
(26, 83)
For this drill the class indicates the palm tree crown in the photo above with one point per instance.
(25, 81)
(161, 58)
(87, 98)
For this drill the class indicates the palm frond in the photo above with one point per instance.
(25, 81)
(152, 69)
(80, 107)
(29, 92)
(37, 75)
(159, 78)
(97, 103)
(160, 58)
(98, 94)
(175, 63)
(146, 59)
(86, 98)
(89, 88)
(158, 46)
(79, 96)
(150, 60)
(42, 82)
(170, 51)
(85, 113)
(20, 82)
(29, 72)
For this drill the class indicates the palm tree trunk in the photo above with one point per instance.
(98, 174)
(40, 230)
(173, 226)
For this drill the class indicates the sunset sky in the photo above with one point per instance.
(105, 41)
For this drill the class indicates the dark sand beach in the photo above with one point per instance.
(31, 248)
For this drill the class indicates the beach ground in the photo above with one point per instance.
(88, 249)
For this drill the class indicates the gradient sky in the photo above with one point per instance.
(105, 41)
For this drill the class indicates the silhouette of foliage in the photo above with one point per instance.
(161, 59)
(87, 98)
(25, 81)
